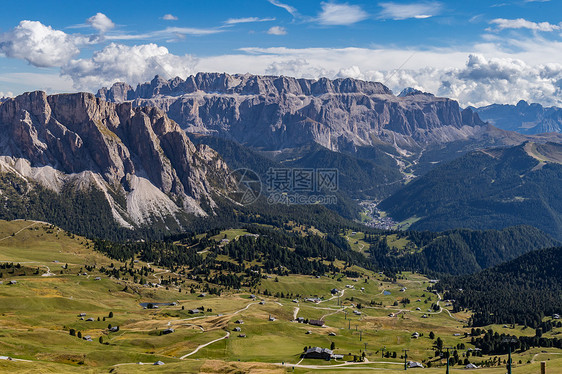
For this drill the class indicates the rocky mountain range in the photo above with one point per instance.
(273, 113)
(524, 118)
(143, 162)
(133, 144)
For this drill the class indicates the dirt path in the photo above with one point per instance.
(48, 273)
(295, 313)
(204, 345)
(13, 359)
(329, 314)
(542, 353)
(343, 365)
(17, 232)
(334, 296)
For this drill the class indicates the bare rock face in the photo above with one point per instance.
(281, 112)
(135, 153)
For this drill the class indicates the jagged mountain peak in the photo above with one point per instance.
(242, 84)
(409, 91)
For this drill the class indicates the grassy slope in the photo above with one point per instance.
(41, 309)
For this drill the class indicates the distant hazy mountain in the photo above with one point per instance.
(140, 166)
(524, 118)
(491, 188)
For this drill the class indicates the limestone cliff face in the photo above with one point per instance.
(280, 112)
(135, 153)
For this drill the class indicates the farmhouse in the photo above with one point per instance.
(414, 364)
(167, 331)
(316, 322)
(240, 322)
(237, 329)
(318, 353)
(194, 311)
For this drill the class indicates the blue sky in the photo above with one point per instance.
(477, 52)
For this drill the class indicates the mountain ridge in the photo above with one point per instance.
(287, 112)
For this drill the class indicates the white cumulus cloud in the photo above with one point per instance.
(40, 45)
(341, 14)
(101, 23)
(277, 30)
(131, 64)
(169, 17)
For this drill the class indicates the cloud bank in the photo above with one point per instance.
(498, 71)
(117, 62)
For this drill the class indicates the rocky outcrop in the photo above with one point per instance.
(272, 112)
(143, 161)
